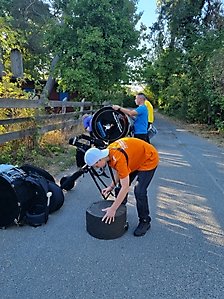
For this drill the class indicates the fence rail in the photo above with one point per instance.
(15, 103)
(42, 122)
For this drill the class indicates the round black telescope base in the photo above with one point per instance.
(101, 230)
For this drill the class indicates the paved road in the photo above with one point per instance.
(182, 256)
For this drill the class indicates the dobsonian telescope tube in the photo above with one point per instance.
(109, 124)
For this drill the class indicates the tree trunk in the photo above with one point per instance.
(50, 81)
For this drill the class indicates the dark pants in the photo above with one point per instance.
(140, 190)
(141, 136)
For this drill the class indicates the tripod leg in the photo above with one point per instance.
(95, 181)
(97, 184)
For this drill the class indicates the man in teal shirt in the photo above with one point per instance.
(140, 115)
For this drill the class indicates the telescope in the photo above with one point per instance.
(108, 125)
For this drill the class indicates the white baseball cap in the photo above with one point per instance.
(94, 154)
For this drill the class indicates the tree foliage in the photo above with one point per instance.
(188, 40)
(95, 39)
(28, 21)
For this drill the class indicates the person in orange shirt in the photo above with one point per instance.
(130, 158)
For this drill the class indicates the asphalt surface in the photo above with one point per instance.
(181, 256)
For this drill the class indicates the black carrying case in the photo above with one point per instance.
(101, 230)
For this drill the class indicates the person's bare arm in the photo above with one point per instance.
(111, 211)
(125, 110)
(113, 184)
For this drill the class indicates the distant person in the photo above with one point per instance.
(150, 111)
(87, 122)
(140, 116)
(152, 131)
(130, 158)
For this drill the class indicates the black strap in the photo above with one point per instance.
(126, 157)
(112, 175)
(122, 151)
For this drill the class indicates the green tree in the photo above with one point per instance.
(94, 40)
(9, 39)
(31, 19)
(186, 37)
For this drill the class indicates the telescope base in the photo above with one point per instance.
(99, 229)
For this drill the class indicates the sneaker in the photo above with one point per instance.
(142, 228)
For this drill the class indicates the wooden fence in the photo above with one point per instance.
(42, 122)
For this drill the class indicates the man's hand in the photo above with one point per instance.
(106, 191)
(109, 216)
(116, 107)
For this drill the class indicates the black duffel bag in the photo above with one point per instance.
(14, 196)
(27, 195)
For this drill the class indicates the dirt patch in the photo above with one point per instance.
(63, 159)
(207, 132)
(202, 130)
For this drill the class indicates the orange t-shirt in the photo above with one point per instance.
(141, 156)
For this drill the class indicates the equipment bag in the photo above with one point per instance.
(38, 210)
(152, 131)
(49, 198)
(14, 196)
(27, 195)
(57, 197)
(29, 169)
